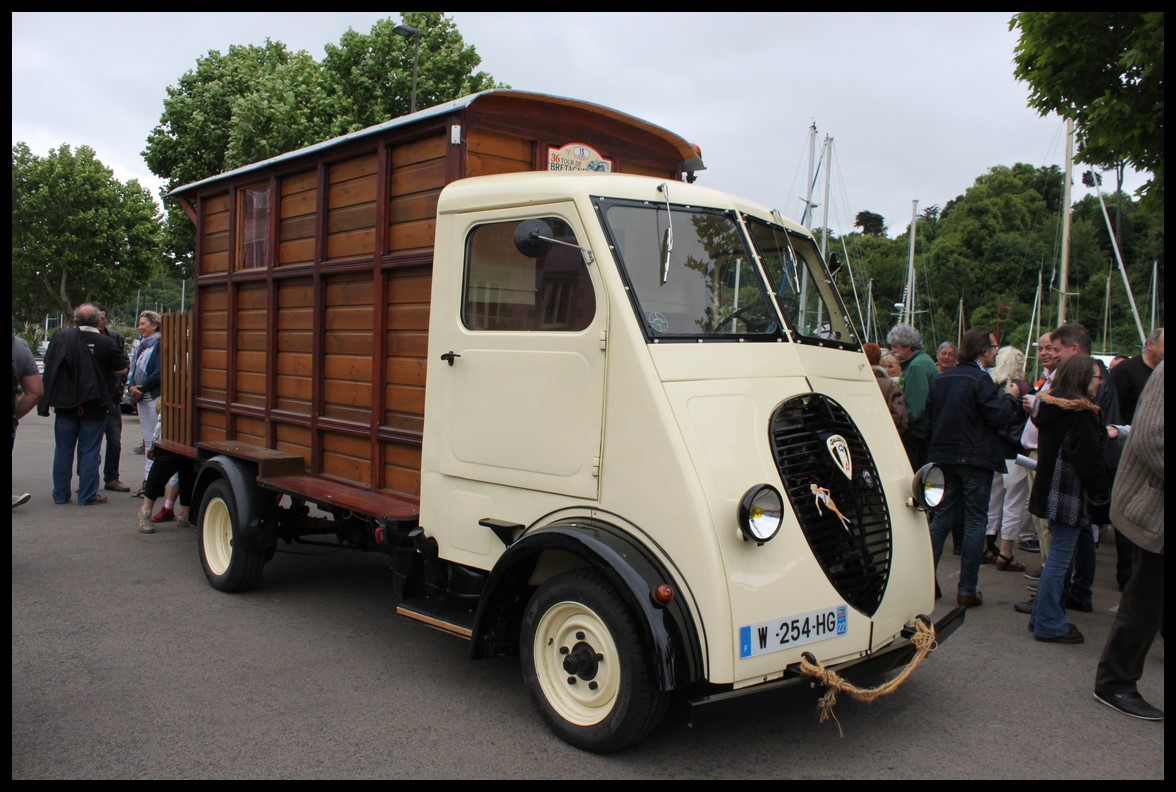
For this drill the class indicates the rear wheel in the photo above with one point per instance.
(227, 565)
(585, 666)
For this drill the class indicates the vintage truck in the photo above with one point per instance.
(593, 412)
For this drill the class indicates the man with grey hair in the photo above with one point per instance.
(918, 372)
(79, 365)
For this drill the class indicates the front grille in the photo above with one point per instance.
(855, 554)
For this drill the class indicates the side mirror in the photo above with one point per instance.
(532, 237)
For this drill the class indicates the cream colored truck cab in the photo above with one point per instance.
(650, 423)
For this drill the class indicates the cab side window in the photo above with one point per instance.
(505, 291)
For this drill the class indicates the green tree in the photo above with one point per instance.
(1105, 71)
(871, 223)
(78, 234)
(368, 76)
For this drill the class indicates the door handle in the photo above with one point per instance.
(449, 356)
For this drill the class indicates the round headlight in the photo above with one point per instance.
(761, 512)
(928, 486)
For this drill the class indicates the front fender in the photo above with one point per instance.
(668, 633)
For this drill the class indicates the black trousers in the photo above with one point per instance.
(165, 465)
(1140, 617)
(113, 444)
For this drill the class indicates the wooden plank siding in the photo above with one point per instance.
(297, 212)
(321, 352)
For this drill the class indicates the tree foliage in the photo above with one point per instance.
(255, 102)
(78, 234)
(368, 77)
(978, 262)
(1105, 71)
(871, 223)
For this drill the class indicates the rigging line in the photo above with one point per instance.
(839, 181)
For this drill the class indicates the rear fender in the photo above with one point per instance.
(251, 499)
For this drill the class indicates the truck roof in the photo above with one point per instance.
(530, 187)
(691, 159)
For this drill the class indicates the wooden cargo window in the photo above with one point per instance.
(254, 205)
(507, 291)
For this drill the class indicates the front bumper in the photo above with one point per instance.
(860, 672)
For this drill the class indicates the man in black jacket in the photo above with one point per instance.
(79, 365)
(110, 469)
(966, 410)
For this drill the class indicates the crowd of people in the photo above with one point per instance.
(1049, 468)
(86, 371)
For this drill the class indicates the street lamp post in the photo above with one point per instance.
(408, 31)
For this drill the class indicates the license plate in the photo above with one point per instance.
(779, 634)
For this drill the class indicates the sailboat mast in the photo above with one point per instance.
(909, 299)
(1065, 274)
(828, 157)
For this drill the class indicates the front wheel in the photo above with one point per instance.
(585, 665)
(227, 565)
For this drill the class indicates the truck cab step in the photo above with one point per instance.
(454, 618)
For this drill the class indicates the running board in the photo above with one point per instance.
(448, 617)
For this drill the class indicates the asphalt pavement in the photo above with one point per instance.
(126, 664)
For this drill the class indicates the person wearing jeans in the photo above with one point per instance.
(965, 412)
(83, 432)
(1071, 489)
(78, 366)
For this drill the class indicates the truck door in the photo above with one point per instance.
(518, 356)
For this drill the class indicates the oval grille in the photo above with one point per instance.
(854, 552)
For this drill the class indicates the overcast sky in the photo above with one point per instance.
(917, 105)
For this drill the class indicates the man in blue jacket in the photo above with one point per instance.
(965, 413)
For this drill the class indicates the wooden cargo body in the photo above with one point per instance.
(309, 335)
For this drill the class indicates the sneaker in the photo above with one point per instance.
(182, 521)
(1130, 704)
(20, 500)
(117, 486)
(1023, 607)
(1071, 636)
(1034, 575)
(1030, 545)
(163, 515)
(138, 449)
(145, 525)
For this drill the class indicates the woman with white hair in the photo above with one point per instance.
(144, 382)
(1008, 505)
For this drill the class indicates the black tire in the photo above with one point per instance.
(585, 666)
(227, 566)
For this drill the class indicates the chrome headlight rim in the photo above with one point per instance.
(928, 487)
(761, 513)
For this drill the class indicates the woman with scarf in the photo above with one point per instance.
(1072, 487)
(144, 383)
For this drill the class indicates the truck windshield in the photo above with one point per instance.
(803, 291)
(689, 272)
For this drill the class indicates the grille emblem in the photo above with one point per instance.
(839, 450)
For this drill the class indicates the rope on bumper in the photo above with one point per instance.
(924, 641)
